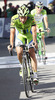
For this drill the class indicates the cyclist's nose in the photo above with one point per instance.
(23, 20)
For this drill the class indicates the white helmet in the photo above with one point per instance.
(23, 10)
(40, 4)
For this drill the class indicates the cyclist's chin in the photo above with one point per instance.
(38, 11)
(23, 22)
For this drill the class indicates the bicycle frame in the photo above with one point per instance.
(41, 48)
(27, 74)
(39, 43)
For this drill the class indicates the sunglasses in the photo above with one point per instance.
(39, 7)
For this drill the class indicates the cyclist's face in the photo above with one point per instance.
(38, 9)
(23, 19)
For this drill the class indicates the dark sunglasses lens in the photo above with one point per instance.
(39, 7)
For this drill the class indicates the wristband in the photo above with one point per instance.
(47, 28)
(10, 46)
(33, 43)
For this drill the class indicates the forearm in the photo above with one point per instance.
(34, 37)
(12, 33)
(46, 22)
(46, 25)
(34, 33)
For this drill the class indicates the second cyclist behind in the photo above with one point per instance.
(40, 14)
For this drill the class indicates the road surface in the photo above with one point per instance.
(11, 84)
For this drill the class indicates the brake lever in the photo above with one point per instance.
(10, 51)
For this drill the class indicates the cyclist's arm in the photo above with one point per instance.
(34, 36)
(12, 30)
(46, 24)
(12, 33)
(46, 21)
(33, 26)
(34, 33)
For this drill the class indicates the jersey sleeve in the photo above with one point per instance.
(33, 12)
(33, 22)
(12, 25)
(45, 13)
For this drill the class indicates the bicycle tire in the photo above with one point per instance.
(31, 74)
(32, 86)
(25, 78)
(39, 50)
(43, 52)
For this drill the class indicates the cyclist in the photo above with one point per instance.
(21, 25)
(40, 14)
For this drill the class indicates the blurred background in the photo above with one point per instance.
(8, 8)
(11, 86)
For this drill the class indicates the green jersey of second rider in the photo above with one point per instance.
(39, 17)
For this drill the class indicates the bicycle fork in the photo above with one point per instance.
(39, 48)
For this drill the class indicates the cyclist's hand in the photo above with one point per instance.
(35, 45)
(48, 30)
(9, 47)
(38, 30)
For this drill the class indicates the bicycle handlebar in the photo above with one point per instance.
(9, 49)
(23, 46)
(11, 53)
(43, 30)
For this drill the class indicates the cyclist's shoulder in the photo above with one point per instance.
(43, 11)
(30, 16)
(33, 11)
(15, 17)
(31, 19)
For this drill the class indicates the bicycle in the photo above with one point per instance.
(27, 71)
(41, 49)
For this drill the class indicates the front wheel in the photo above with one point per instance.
(32, 86)
(43, 53)
(39, 51)
(25, 78)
